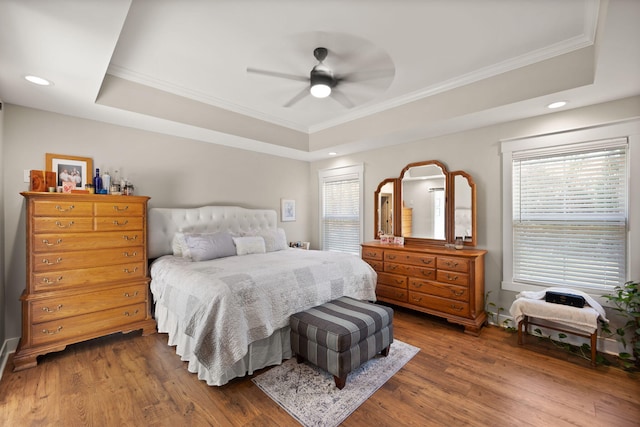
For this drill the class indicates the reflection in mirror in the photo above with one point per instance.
(384, 207)
(424, 202)
(463, 212)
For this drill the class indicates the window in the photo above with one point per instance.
(341, 209)
(566, 212)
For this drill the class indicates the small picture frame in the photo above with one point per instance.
(70, 169)
(288, 210)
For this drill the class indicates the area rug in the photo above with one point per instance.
(310, 396)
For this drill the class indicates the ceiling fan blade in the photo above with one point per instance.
(341, 98)
(278, 74)
(304, 92)
(359, 76)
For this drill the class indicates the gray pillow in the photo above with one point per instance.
(206, 246)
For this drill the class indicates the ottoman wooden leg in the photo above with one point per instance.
(340, 381)
(385, 351)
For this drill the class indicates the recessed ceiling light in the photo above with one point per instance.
(38, 80)
(333, 153)
(557, 104)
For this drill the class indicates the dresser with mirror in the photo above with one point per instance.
(437, 270)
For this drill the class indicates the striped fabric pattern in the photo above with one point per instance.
(342, 334)
(342, 323)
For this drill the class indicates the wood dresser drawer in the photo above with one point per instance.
(446, 305)
(410, 270)
(60, 307)
(53, 261)
(82, 241)
(62, 225)
(372, 253)
(71, 327)
(64, 279)
(394, 280)
(113, 223)
(410, 258)
(460, 293)
(453, 264)
(453, 278)
(398, 294)
(376, 265)
(62, 208)
(119, 209)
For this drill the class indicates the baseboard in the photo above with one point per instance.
(8, 347)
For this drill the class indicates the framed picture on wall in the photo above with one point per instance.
(288, 209)
(70, 169)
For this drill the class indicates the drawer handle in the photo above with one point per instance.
(457, 293)
(456, 308)
(392, 267)
(126, 270)
(451, 263)
(452, 278)
(371, 254)
(417, 299)
(128, 255)
(426, 261)
(417, 285)
(119, 209)
(46, 242)
(391, 256)
(116, 222)
(399, 282)
(49, 281)
(427, 273)
(130, 238)
(400, 294)
(50, 332)
(61, 225)
(46, 261)
(128, 295)
(61, 209)
(48, 310)
(126, 313)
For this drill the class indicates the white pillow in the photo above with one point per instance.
(274, 240)
(206, 246)
(249, 245)
(178, 245)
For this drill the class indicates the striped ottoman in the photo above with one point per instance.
(341, 335)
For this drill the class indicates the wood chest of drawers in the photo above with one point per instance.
(86, 271)
(444, 282)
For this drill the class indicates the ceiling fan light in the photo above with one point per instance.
(320, 90)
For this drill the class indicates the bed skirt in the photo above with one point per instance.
(266, 352)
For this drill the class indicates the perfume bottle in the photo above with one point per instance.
(106, 182)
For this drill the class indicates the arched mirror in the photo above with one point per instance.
(464, 213)
(427, 205)
(384, 206)
(423, 198)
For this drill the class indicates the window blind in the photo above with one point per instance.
(340, 217)
(570, 215)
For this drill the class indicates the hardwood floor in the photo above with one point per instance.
(456, 379)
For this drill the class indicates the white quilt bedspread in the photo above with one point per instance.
(228, 303)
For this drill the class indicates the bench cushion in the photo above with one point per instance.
(342, 323)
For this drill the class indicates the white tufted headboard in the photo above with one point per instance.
(165, 222)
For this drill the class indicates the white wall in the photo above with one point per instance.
(477, 152)
(174, 172)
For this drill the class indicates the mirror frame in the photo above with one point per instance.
(376, 205)
(397, 225)
(449, 207)
(472, 184)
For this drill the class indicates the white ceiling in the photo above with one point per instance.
(180, 67)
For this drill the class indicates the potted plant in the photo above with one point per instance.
(626, 299)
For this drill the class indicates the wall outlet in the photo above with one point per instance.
(27, 175)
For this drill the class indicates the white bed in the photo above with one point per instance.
(229, 316)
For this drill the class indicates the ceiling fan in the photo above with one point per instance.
(323, 82)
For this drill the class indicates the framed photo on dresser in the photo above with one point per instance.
(70, 169)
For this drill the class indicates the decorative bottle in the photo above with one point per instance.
(97, 182)
(106, 182)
